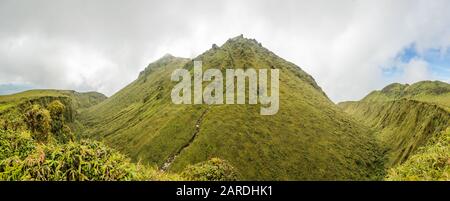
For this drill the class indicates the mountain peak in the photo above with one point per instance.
(150, 127)
(394, 87)
(240, 36)
(161, 62)
(165, 59)
(241, 39)
(167, 55)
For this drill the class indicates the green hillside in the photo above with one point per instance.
(407, 119)
(23, 158)
(431, 162)
(435, 92)
(401, 132)
(12, 107)
(308, 139)
(37, 143)
(79, 100)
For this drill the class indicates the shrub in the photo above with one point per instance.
(60, 131)
(214, 169)
(21, 158)
(87, 160)
(431, 162)
(38, 121)
(15, 144)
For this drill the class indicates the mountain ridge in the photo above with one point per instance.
(435, 92)
(141, 121)
(408, 119)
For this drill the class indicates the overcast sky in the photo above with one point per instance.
(349, 47)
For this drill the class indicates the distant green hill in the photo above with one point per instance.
(435, 92)
(12, 107)
(406, 118)
(308, 139)
(78, 100)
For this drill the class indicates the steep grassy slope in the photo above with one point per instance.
(309, 138)
(431, 162)
(405, 117)
(403, 125)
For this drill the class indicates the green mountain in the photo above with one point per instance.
(309, 138)
(401, 132)
(78, 100)
(435, 92)
(409, 120)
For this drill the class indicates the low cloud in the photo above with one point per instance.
(102, 45)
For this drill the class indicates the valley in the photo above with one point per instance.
(397, 133)
(408, 119)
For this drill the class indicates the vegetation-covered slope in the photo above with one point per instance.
(78, 100)
(431, 162)
(406, 118)
(435, 92)
(13, 107)
(403, 125)
(36, 143)
(23, 158)
(309, 138)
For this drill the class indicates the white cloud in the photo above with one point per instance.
(415, 70)
(344, 45)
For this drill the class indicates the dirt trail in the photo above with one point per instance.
(172, 158)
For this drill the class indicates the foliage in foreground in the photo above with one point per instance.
(76, 161)
(23, 158)
(42, 148)
(46, 151)
(214, 169)
(432, 162)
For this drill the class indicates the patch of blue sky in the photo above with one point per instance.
(404, 56)
(408, 53)
(438, 61)
(11, 88)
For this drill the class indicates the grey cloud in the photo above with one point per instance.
(103, 44)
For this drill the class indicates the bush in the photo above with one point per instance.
(21, 158)
(38, 121)
(15, 144)
(431, 162)
(214, 169)
(60, 131)
(11, 121)
(87, 160)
